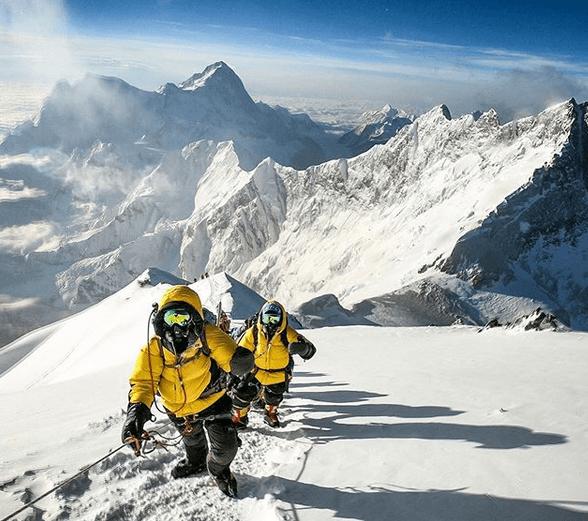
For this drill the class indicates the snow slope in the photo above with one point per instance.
(402, 423)
(50, 349)
(440, 423)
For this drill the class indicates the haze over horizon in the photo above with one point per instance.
(518, 59)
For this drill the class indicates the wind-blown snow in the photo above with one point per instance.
(211, 105)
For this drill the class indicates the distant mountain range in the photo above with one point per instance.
(211, 105)
(445, 220)
(375, 128)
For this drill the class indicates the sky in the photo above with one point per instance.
(518, 57)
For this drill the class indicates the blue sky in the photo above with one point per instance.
(523, 25)
(518, 56)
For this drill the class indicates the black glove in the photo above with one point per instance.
(137, 415)
(242, 361)
(296, 348)
(302, 348)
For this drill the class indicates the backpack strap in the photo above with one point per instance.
(255, 336)
(205, 349)
(284, 336)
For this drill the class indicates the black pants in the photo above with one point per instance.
(212, 441)
(249, 388)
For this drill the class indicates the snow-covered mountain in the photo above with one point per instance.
(375, 127)
(396, 220)
(451, 220)
(125, 313)
(423, 437)
(211, 105)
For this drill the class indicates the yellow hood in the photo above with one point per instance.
(283, 323)
(182, 294)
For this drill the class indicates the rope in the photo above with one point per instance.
(139, 448)
(63, 483)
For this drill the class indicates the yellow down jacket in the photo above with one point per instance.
(180, 380)
(271, 357)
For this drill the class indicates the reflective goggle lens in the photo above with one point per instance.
(179, 317)
(270, 319)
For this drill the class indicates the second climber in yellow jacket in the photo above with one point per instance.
(184, 363)
(273, 342)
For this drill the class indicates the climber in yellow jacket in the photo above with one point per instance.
(273, 342)
(185, 362)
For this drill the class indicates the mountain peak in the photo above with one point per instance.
(91, 80)
(445, 111)
(218, 72)
(437, 114)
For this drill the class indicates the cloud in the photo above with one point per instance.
(35, 34)
(410, 74)
(517, 93)
(28, 237)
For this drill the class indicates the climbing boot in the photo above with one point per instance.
(185, 469)
(239, 418)
(271, 416)
(227, 483)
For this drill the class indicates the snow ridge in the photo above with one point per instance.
(453, 219)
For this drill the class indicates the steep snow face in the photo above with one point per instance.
(535, 244)
(357, 228)
(211, 105)
(375, 127)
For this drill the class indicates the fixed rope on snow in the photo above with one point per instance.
(63, 483)
(138, 447)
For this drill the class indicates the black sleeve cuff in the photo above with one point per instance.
(242, 361)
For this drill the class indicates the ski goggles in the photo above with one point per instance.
(177, 317)
(267, 318)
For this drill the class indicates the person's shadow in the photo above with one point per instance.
(349, 404)
(329, 415)
(379, 503)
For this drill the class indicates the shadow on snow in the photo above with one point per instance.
(381, 503)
